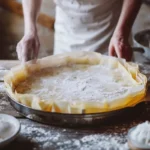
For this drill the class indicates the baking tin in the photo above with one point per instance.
(75, 120)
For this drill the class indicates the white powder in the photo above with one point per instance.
(145, 69)
(53, 139)
(3, 102)
(141, 133)
(39, 132)
(92, 83)
(6, 129)
(2, 74)
(2, 87)
(107, 142)
(2, 108)
(95, 142)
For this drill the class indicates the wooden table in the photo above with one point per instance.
(36, 136)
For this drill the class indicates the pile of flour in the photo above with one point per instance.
(141, 134)
(6, 129)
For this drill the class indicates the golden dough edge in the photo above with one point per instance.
(21, 72)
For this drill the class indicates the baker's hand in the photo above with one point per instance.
(28, 47)
(120, 47)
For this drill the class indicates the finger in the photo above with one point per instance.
(25, 55)
(119, 50)
(111, 51)
(33, 51)
(37, 47)
(18, 50)
(129, 53)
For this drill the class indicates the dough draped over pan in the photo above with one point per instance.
(77, 83)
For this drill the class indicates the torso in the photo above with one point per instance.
(85, 25)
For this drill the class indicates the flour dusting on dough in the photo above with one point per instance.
(80, 83)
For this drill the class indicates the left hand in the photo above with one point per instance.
(120, 47)
(28, 47)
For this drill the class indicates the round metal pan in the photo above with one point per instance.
(75, 120)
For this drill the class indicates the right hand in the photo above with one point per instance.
(28, 47)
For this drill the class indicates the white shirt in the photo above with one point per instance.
(85, 25)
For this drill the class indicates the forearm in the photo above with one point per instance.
(31, 9)
(128, 14)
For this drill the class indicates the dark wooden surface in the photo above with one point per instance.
(36, 136)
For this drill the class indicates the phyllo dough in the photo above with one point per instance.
(78, 82)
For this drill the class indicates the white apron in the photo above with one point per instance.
(85, 25)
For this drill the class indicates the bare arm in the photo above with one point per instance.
(28, 47)
(128, 14)
(119, 42)
(31, 9)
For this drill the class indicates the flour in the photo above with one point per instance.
(29, 130)
(145, 69)
(3, 102)
(2, 87)
(141, 134)
(80, 83)
(103, 142)
(2, 73)
(95, 142)
(6, 129)
(50, 139)
(2, 108)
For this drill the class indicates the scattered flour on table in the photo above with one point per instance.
(50, 139)
(145, 69)
(2, 108)
(3, 72)
(3, 101)
(2, 87)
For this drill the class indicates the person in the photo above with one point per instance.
(87, 25)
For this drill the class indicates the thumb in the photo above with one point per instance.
(111, 50)
(25, 54)
(19, 50)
